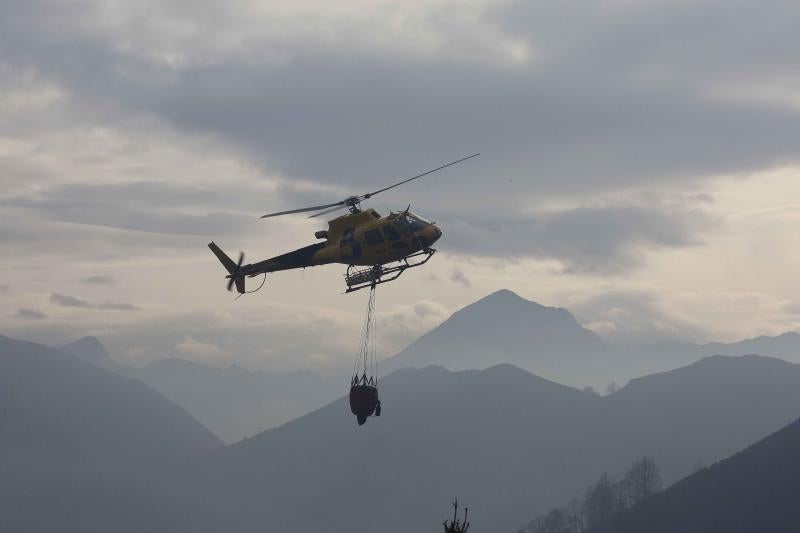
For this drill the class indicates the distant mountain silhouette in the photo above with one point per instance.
(501, 328)
(755, 490)
(713, 408)
(79, 445)
(666, 355)
(505, 328)
(91, 350)
(547, 341)
(235, 402)
(512, 443)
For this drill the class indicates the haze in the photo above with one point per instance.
(639, 167)
(605, 341)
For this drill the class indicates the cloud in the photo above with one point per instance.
(98, 280)
(65, 300)
(129, 137)
(202, 351)
(635, 316)
(30, 314)
(117, 306)
(610, 102)
(69, 301)
(601, 240)
(457, 276)
(4, 289)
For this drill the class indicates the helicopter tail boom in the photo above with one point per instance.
(234, 270)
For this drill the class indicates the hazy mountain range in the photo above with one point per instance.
(508, 442)
(500, 328)
(80, 446)
(547, 341)
(233, 402)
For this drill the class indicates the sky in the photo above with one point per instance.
(639, 166)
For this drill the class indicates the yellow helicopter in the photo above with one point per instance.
(365, 241)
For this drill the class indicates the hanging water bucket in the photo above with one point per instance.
(364, 402)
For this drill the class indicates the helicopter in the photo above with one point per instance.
(376, 249)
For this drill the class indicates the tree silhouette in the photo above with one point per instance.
(642, 480)
(456, 525)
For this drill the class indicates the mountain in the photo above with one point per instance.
(79, 445)
(707, 410)
(501, 328)
(235, 402)
(755, 490)
(507, 442)
(667, 355)
(505, 328)
(471, 434)
(91, 350)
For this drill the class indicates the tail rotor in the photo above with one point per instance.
(234, 276)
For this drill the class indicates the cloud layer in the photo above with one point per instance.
(626, 158)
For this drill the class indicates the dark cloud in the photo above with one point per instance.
(117, 307)
(72, 204)
(65, 300)
(69, 301)
(594, 240)
(98, 280)
(615, 100)
(30, 314)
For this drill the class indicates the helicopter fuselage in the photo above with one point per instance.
(364, 239)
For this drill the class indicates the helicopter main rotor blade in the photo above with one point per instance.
(353, 201)
(331, 210)
(371, 194)
(304, 209)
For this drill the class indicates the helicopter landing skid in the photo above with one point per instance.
(358, 279)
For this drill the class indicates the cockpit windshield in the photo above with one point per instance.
(421, 219)
(409, 223)
(415, 222)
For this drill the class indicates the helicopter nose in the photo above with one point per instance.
(433, 233)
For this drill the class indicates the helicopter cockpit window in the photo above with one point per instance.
(402, 224)
(373, 237)
(391, 233)
(416, 223)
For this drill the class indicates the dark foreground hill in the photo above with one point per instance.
(508, 442)
(79, 445)
(757, 489)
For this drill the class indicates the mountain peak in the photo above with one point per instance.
(506, 297)
(503, 327)
(504, 294)
(87, 348)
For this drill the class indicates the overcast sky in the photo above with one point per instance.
(640, 166)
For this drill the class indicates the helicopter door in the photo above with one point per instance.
(375, 242)
(399, 245)
(373, 237)
(349, 240)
